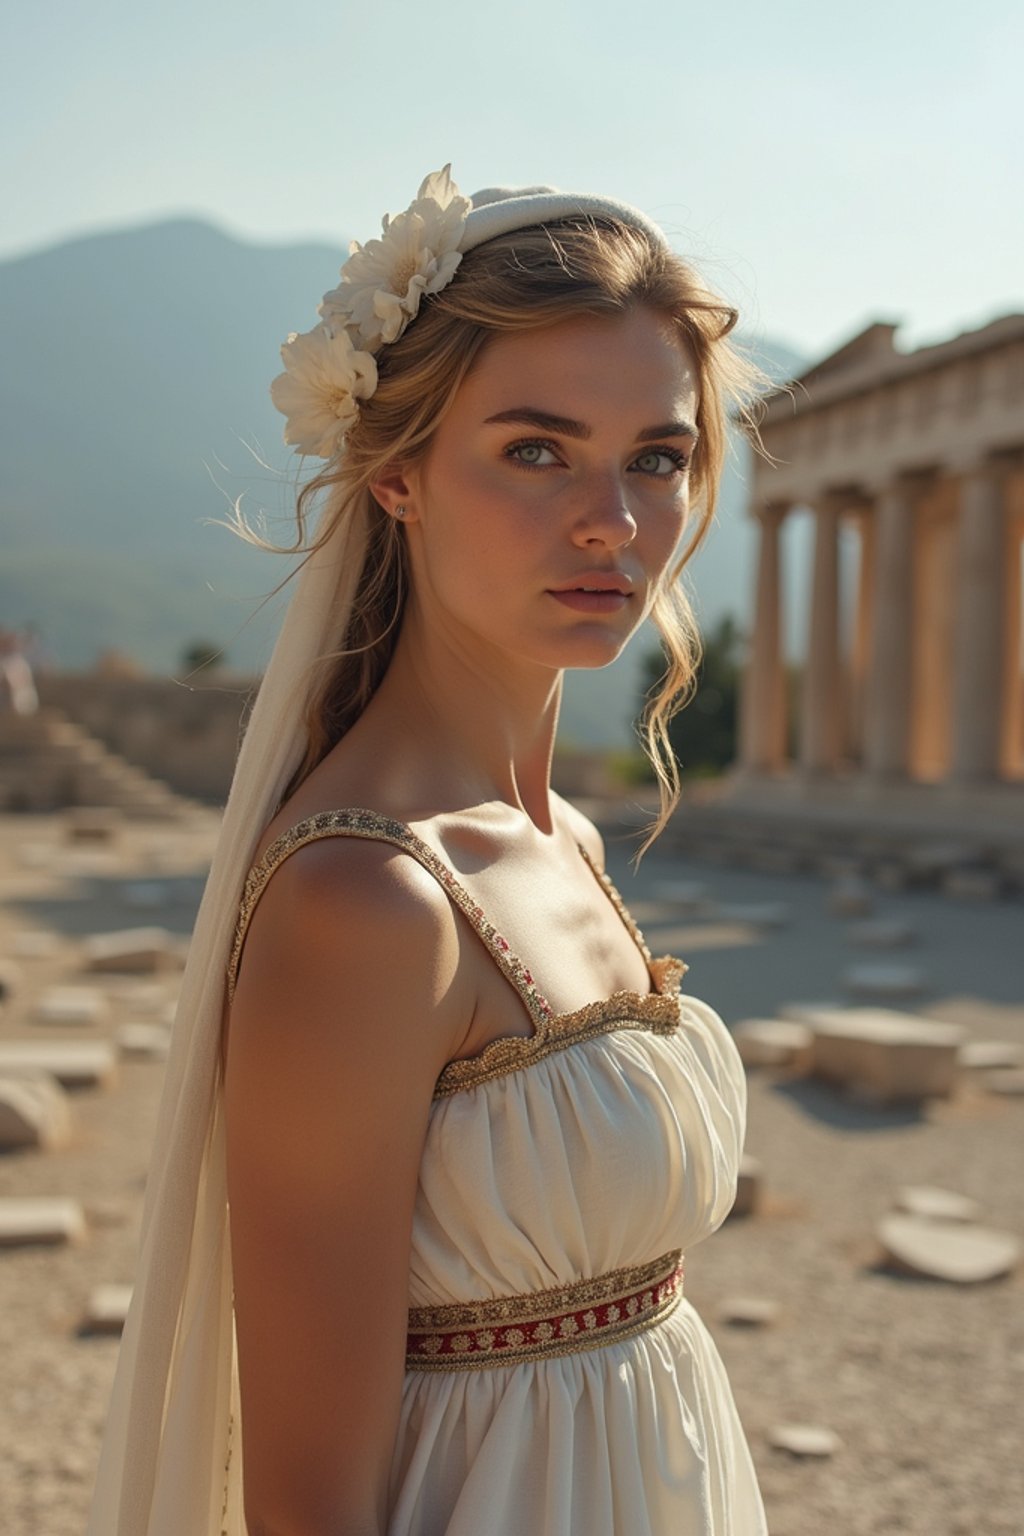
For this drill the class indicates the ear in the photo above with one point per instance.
(392, 489)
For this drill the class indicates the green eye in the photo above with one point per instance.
(662, 462)
(531, 453)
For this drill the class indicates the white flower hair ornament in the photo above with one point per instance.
(418, 252)
(331, 368)
(326, 378)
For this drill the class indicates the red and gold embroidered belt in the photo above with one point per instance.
(509, 1330)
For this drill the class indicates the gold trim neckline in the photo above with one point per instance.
(657, 1011)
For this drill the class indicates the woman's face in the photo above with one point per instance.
(560, 467)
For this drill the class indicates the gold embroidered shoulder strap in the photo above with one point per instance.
(371, 824)
(620, 906)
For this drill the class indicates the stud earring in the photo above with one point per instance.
(399, 511)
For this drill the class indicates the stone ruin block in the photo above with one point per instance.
(11, 980)
(106, 1309)
(51, 1221)
(774, 1043)
(805, 1440)
(34, 1112)
(885, 1055)
(135, 951)
(144, 1042)
(991, 1055)
(92, 824)
(72, 1005)
(749, 1311)
(954, 1251)
(928, 1203)
(146, 998)
(75, 1064)
(748, 1187)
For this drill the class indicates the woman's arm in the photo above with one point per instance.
(348, 1005)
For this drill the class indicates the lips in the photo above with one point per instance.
(597, 581)
(594, 592)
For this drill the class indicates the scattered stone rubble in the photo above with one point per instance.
(34, 1112)
(931, 1204)
(990, 1055)
(805, 1440)
(885, 1055)
(24, 1220)
(144, 1042)
(748, 1187)
(137, 951)
(955, 1251)
(775, 1043)
(748, 1311)
(74, 1063)
(877, 1054)
(874, 1053)
(72, 1005)
(106, 1309)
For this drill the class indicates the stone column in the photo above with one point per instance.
(887, 711)
(860, 647)
(1013, 681)
(979, 645)
(763, 714)
(821, 714)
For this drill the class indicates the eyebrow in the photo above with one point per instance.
(565, 426)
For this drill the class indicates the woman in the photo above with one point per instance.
(449, 1295)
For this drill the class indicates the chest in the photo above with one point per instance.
(569, 931)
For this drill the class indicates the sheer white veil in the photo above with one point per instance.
(171, 1458)
(165, 1449)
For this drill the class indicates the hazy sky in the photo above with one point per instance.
(825, 163)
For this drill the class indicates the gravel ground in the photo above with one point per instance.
(922, 1382)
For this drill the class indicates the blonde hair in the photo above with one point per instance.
(517, 282)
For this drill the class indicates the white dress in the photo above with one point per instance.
(566, 1387)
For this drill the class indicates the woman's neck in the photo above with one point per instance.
(457, 724)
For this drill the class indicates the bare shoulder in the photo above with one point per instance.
(347, 1001)
(581, 828)
(343, 917)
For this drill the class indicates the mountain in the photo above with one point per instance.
(135, 408)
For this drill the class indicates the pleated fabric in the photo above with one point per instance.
(602, 1155)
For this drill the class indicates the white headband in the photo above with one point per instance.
(500, 210)
(330, 369)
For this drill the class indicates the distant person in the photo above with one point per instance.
(18, 690)
(437, 1128)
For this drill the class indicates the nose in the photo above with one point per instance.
(604, 516)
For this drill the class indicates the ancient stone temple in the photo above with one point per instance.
(912, 465)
